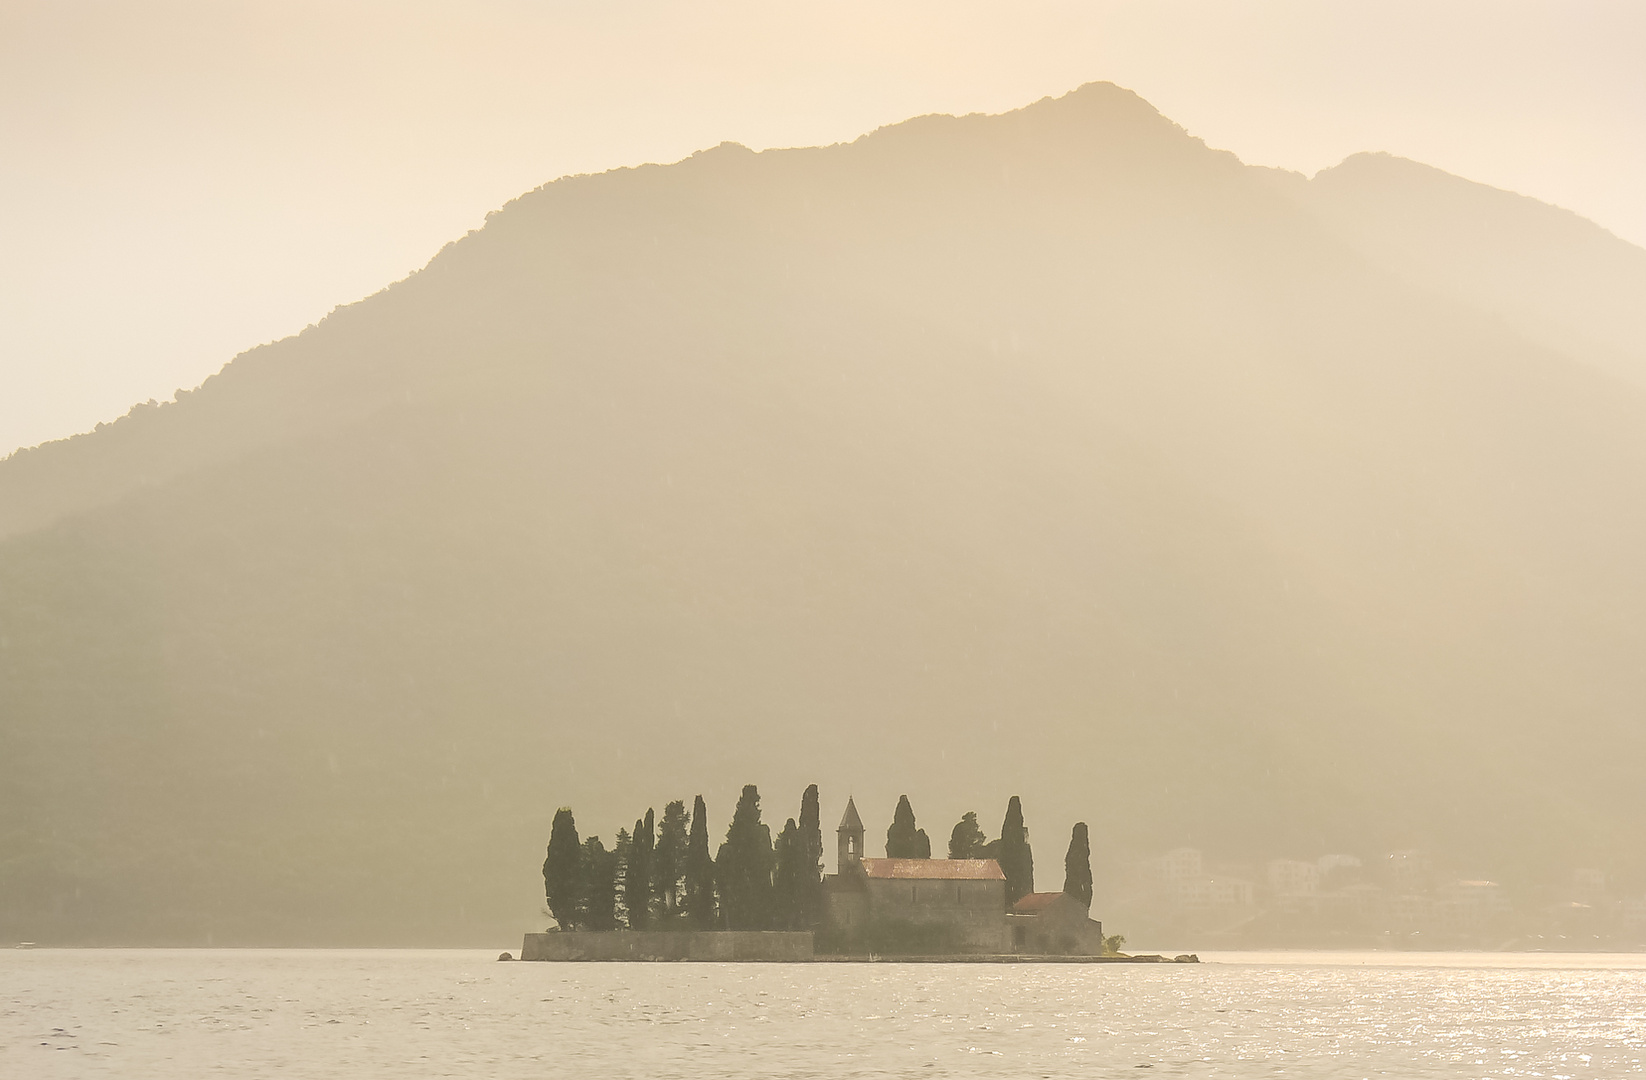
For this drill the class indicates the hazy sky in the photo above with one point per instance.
(182, 180)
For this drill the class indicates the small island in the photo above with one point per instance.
(659, 895)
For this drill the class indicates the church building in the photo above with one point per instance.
(958, 905)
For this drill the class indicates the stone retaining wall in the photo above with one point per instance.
(701, 945)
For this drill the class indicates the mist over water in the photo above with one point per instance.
(361, 1015)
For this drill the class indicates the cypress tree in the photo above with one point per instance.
(811, 836)
(637, 883)
(1016, 858)
(789, 853)
(669, 861)
(903, 840)
(967, 839)
(743, 867)
(699, 898)
(1077, 866)
(599, 891)
(622, 852)
(561, 869)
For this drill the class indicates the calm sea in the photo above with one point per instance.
(233, 1013)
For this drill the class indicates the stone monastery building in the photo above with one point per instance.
(959, 904)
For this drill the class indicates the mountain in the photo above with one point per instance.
(1554, 278)
(1050, 453)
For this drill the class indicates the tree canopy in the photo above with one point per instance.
(597, 908)
(663, 875)
(1016, 858)
(1077, 866)
(744, 867)
(903, 839)
(669, 860)
(637, 882)
(788, 882)
(811, 835)
(699, 870)
(967, 840)
(561, 869)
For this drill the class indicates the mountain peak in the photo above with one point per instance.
(1093, 113)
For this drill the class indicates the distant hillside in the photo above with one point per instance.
(1050, 453)
(1561, 281)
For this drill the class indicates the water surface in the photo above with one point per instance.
(334, 1014)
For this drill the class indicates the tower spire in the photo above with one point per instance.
(849, 854)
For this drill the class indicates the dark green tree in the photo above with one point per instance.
(622, 852)
(789, 854)
(637, 882)
(1016, 858)
(967, 840)
(811, 835)
(1077, 866)
(903, 840)
(561, 869)
(743, 867)
(669, 861)
(599, 892)
(699, 896)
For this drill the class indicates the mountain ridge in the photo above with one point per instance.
(1050, 453)
(20, 460)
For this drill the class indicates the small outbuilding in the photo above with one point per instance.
(1054, 924)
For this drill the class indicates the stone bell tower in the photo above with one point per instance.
(850, 834)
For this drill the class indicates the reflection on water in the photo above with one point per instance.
(142, 1013)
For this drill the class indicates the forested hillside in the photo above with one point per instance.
(1049, 453)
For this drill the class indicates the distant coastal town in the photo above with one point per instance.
(1401, 899)
(659, 894)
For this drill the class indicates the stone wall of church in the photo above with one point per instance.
(974, 910)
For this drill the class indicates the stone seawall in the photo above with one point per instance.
(702, 945)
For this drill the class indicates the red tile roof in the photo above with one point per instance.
(934, 869)
(1035, 902)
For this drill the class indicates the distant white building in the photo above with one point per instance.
(1359, 902)
(1409, 910)
(1631, 915)
(1178, 865)
(1328, 863)
(1293, 877)
(1469, 903)
(1589, 884)
(1179, 878)
(1407, 871)
(1223, 891)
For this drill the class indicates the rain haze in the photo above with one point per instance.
(1192, 454)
